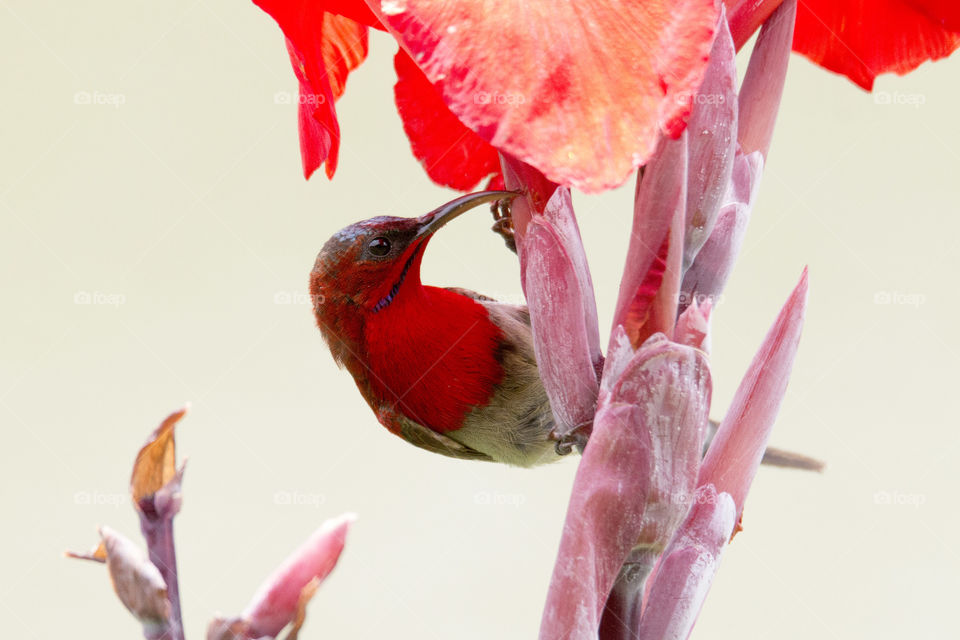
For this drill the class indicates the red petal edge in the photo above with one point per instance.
(862, 40)
(323, 48)
(451, 154)
(580, 91)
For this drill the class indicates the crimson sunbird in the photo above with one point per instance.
(447, 369)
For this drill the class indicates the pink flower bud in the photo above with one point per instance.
(275, 603)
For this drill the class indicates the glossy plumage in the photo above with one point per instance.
(448, 370)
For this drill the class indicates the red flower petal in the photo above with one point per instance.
(344, 47)
(495, 183)
(356, 10)
(579, 90)
(318, 127)
(323, 49)
(451, 154)
(863, 39)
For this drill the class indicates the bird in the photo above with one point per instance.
(446, 369)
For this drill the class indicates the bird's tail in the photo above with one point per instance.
(790, 460)
(773, 456)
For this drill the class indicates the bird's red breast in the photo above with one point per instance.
(433, 353)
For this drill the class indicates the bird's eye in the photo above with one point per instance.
(379, 246)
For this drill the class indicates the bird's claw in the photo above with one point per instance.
(576, 437)
(503, 223)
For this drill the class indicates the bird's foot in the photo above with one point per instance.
(576, 437)
(503, 223)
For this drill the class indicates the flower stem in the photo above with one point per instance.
(163, 554)
(621, 615)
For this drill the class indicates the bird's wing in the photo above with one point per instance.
(471, 294)
(519, 312)
(426, 438)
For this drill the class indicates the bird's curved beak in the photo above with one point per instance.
(440, 216)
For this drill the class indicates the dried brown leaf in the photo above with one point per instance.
(96, 554)
(155, 465)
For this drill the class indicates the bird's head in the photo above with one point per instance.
(366, 266)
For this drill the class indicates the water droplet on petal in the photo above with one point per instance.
(392, 7)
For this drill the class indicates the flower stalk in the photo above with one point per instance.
(148, 584)
(155, 486)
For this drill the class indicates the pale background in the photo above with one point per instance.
(183, 214)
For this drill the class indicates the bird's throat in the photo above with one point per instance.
(433, 354)
(395, 289)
